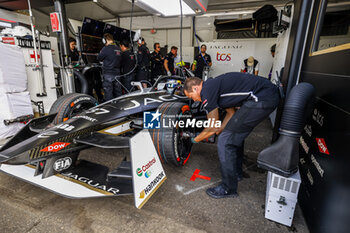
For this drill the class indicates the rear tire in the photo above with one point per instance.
(70, 105)
(170, 145)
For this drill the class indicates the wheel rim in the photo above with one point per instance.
(184, 144)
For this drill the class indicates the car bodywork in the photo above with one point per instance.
(46, 151)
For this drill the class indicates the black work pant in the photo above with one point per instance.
(231, 140)
(111, 87)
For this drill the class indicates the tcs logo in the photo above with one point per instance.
(223, 56)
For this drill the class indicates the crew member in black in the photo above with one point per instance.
(201, 60)
(110, 55)
(256, 96)
(143, 62)
(169, 61)
(127, 65)
(73, 52)
(157, 61)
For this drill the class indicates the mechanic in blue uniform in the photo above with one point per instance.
(143, 62)
(110, 55)
(127, 65)
(169, 61)
(201, 60)
(256, 98)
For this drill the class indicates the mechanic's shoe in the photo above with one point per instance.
(220, 192)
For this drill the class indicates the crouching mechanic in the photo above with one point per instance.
(256, 96)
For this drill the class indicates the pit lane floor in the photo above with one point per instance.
(180, 205)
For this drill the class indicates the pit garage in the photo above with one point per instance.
(102, 128)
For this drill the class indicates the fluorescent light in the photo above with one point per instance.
(95, 0)
(168, 7)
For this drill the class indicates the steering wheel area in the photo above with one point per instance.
(172, 84)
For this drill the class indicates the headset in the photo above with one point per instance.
(104, 40)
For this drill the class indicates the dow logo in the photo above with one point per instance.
(139, 172)
(151, 120)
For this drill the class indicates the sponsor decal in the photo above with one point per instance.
(223, 56)
(57, 146)
(86, 118)
(154, 183)
(142, 194)
(91, 183)
(144, 168)
(65, 127)
(308, 130)
(98, 111)
(8, 40)
(322, 146)
(318, 117)
(317, 165)
(148, 174)
(309, 176)
(304, 145)
(47, 134)
(139, 171)
(81, 99)
(62, 164)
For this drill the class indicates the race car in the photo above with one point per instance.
(45, 151)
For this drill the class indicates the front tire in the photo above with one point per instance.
(70, 105)
(170, 145)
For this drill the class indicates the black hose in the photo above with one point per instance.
(83, 82)
(293, 116)
(282, 157)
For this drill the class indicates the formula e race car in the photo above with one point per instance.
(46, 151)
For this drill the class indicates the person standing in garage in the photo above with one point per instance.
(169, 61)
(110, 55)
(250, 66)
(201, 60)
(157, 61)
(127, 65)
(143, 62)
(256, 96)
(272, 50)
(73, 52)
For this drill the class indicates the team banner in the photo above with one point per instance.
(228, 55)
(147, 171)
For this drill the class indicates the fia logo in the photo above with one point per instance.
(62, 164)
(151, 120)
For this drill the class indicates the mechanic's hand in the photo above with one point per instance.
(193, 141)
(169, 73)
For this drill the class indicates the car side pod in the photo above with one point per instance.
(282, 157)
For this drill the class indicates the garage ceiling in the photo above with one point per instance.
(109, 9)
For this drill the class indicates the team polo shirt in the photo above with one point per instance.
(232, 89)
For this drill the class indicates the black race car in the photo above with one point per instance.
(46, 151)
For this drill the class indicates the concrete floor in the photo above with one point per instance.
(180, 205)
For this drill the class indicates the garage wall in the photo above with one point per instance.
(168, 29)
